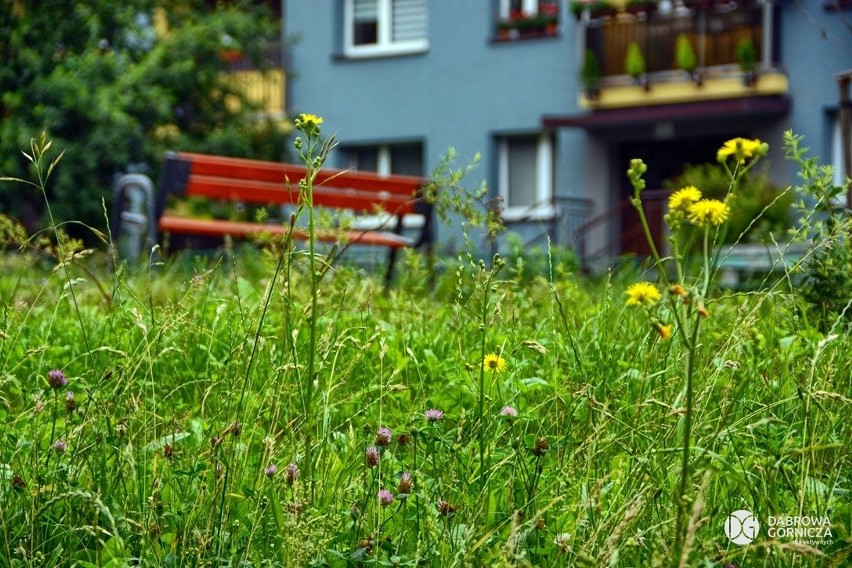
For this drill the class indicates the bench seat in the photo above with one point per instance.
(219, 228)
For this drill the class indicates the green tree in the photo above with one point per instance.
(115, 93)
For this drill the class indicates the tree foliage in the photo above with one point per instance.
(115, 91)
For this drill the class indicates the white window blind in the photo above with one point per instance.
(409, 20)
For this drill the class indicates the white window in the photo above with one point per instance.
(384, 27)
(386, 159)
(525, 176)
(508, 8)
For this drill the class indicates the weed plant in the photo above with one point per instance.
(264, 409)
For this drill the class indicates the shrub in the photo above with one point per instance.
(756, 199)
(114, 94)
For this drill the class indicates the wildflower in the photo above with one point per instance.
(292, 473)
(684, 197)
(366, 544)
(18, 482)
(562, 542)
(740, 148)
(309, 123)
(444, 507)
(70, 403)
(403, 439)
(270, 470)
(168, 451)
(433, 415)
(405, 484)
(509, 412)
(540, 447)
(56, 378)
(383, 436)
(385, 497)
(702, 311)
(708, 212)
(494, 363)
(60, 446)
(677, 290)
(665, 331)
(642, 293)
(372, 456)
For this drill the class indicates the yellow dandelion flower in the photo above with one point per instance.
(642, 293)
(684, 197)
(494, 363)
(665, 331)
(310, 120)
(739, 148)
(708, 212)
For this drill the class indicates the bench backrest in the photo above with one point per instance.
(256, 181)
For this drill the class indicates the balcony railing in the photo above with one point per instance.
(262, 83)
(715, 32)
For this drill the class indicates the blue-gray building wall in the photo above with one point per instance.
(816, 45)
(461, 92)
(467, 88)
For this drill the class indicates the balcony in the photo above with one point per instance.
(262, 85)
(679, 52)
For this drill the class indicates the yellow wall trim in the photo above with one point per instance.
(714, 88)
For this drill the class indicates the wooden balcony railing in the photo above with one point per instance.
(262, 84)
(714, 34)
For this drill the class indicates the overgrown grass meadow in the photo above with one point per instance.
(256, 410)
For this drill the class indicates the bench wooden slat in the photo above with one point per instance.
(241, 168)
(220, 228)
(254, 191)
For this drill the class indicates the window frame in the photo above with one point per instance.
(529, 7)
(384, 46)
(545, 181)
(383, 168)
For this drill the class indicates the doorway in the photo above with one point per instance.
(665, 160)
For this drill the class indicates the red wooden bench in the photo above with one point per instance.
(269, 183)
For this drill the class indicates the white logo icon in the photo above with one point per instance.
(741, 527)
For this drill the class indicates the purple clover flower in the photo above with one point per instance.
(292, 473)
(509, 412)
(383, 436)
(372, 456)
(270, 470)
(405, 484)
(56, 378)
(385, 497)
(60, 446)
(433, 415)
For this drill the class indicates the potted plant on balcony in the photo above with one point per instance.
(549, 17)
(590, 75)
(596, 8)
(685, 58)
(504, 29)
(634, 65)
(638, 7)
(746, 54)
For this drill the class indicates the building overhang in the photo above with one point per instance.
(740, 110)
